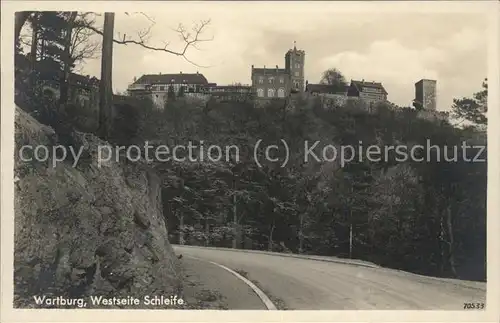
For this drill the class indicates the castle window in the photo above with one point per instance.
(282, 80)
(270, 93)
(296, 73)
(297, 65)
(260, 93)
(261, 80)
(281, 93)
(271, 80)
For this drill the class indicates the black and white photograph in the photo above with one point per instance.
(249, 156)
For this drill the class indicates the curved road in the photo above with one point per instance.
(307, 284)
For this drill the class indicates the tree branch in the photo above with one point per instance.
(190, 39)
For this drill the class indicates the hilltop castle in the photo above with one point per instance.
(280, 82)
(277, 83)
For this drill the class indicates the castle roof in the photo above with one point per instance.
(268, 70)
(193, 78)
(361, 85)
(425, 80)
(294, 50)
(233, 86)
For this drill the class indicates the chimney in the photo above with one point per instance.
(252, 66)
(363, 81)
(276, 66)
(160, 73)
(180, 72)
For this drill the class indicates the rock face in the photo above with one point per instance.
(87, 230)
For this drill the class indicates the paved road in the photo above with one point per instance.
(305, 284)
(231, 291)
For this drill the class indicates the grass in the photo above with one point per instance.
(199, 298)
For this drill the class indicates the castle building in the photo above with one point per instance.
(369, 92)
(294, 64)
(82, 90)
(158, 85)
(230, 93)
(425, 94)
(233, 88)
(278, 82)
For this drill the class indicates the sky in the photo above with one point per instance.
(396, 49)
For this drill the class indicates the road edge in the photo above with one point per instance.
(290, 255)
(462, 283)
(263, 297)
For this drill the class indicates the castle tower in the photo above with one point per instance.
(294, 65)
(425, 94)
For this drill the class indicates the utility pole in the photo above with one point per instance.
(235, 215)
(181, 229)
(350, 222)
(350, 241)
(301, 234)
(34, 40)
(105, 88)
(235, 223)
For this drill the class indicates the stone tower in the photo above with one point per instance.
(294, 65)
(425, 94)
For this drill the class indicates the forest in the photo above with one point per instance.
(424, 217)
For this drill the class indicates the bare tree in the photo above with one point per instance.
(105, 89)
(335, 78)
(82, 46)
(67, 61)
(78, 46)
(190, 38)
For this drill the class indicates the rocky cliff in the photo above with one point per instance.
(87, 230)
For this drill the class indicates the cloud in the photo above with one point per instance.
(456, 63)
(389, 62)
(395, 49)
